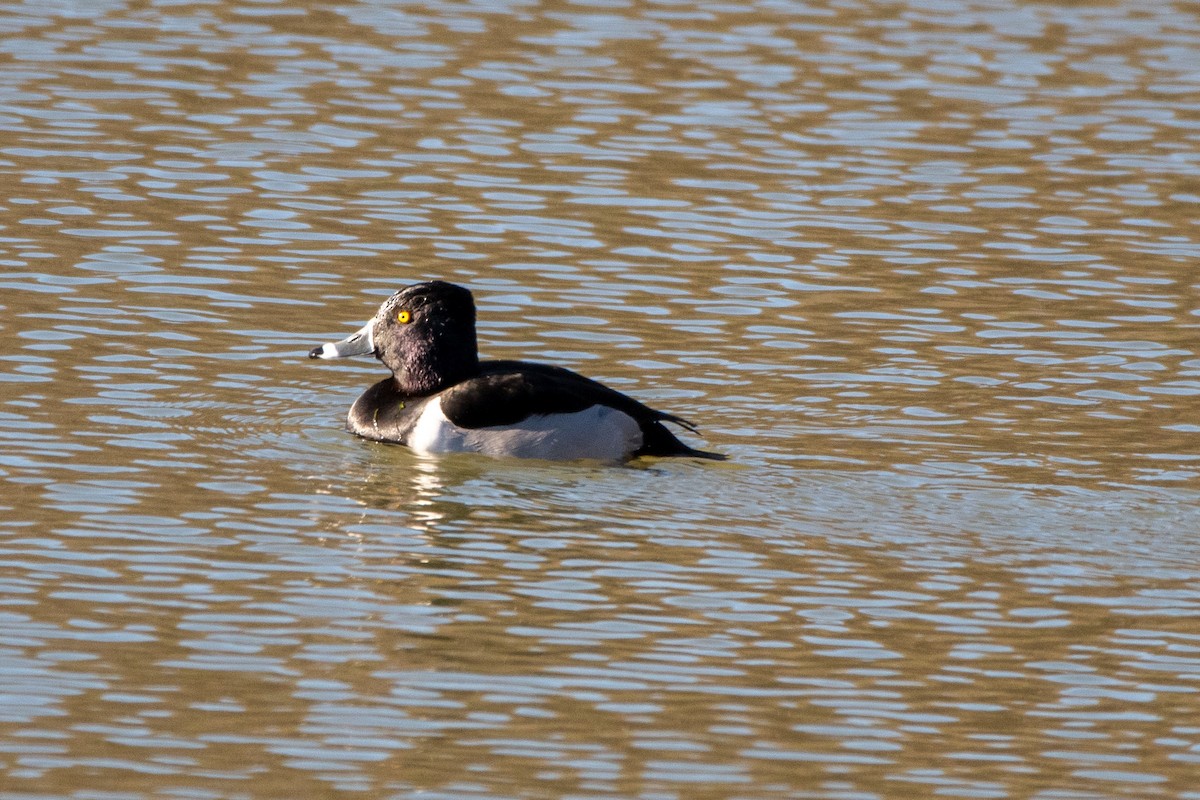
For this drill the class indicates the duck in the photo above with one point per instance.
(441, 398)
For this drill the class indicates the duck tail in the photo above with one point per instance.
(657, 440)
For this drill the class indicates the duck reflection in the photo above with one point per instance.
(462, 496)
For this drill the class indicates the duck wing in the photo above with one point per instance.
(508, 392)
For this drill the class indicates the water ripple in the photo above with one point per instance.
(924, 273)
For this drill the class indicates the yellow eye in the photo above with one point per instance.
(404, 318)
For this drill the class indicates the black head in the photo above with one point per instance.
(424, 333)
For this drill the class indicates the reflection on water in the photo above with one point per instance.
(923, 271)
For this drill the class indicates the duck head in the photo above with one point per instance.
(424, 333)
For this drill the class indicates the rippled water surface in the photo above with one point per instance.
(925, 271)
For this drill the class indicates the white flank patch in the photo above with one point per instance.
(598, 432)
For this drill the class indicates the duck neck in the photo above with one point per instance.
(437, 367)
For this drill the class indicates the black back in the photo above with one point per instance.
(506, 392)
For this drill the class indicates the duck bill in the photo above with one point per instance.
(360, 343)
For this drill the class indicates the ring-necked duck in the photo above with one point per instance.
(441, 398)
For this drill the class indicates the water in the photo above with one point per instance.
(924, 272)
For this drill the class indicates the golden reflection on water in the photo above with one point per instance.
(923, 271)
